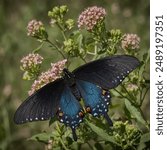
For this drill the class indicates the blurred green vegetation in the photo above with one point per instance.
(128, 15)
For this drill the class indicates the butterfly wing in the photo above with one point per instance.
(95, 99)
(108, 72)
(42, 105)
(70, 112)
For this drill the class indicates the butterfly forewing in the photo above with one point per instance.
(108, 72)
(42, 105)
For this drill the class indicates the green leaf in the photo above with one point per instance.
(135, 112)
(102, 133)
(52, 120)
(127, 113)
(42, 137)
(144, 138)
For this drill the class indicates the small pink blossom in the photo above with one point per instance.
(49, 76)
(90, 17)
(130, 41)
(34, 27)
(31, 61)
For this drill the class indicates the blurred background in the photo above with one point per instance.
(129, 16)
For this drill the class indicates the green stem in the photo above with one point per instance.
(142, 99)
(131, 96)
(68, 62)
(90, 53)
(125, 97)
(62, 31)
(57, 48)
(111, 48)
(38, 48)
(83, 59)
(141, 112)
(95, 50)
(64, 146)
(60, 27)
(58, 128)
(141, 90)
(64, 36)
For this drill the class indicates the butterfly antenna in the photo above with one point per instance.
(74, 135)
(108, 119)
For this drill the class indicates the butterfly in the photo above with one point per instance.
(91, 82)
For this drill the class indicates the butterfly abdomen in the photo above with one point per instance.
(71, 82)
(75, 92)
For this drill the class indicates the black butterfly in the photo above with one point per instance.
(91, 82)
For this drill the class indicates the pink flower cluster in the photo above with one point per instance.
(34, 27)
(49, 76)
(31, 61)
(131, 41)
(90, 17)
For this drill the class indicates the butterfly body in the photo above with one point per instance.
(91, 82)
(70, 80)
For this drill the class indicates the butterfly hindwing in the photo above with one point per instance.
(70, 111)
(96, 99)
(108, 72)
(42, 105)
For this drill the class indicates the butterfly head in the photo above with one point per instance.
(69, 77)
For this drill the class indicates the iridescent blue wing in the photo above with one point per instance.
(42, 105)
(108, 72)
(96, 99)
(70, 112)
